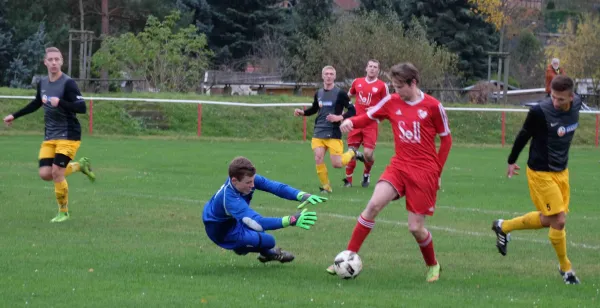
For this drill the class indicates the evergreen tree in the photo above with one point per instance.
(6, 41)
(234, 30)
(453, 24)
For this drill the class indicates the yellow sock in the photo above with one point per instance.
(528, 221)
(61, 189)
(347, 157)
(558, 238)
(72, 167)
(323, 176)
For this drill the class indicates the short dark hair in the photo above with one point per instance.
(562, 83)
(404, 72)
(241, 167)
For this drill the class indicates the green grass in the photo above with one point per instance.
(139, 228)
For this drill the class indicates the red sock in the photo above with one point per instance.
(426, 247)
(368, 166)
(361, 230)
(350, 170)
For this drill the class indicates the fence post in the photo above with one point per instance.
(91, 117)
(199, 120)
(503, 127)
(597, 127)
(303, 125)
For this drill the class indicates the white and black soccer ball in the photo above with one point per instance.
(347, 264)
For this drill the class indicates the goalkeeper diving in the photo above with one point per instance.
(232, 224)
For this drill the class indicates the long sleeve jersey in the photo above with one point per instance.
(228, 206)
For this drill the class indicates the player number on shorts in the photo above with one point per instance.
(410, 133)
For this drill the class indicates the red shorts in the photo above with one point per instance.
(419, 187)
(367, 137)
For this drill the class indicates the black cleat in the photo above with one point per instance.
(502, 238)
(358, 155)
(568, 277)
(279, 255)
(366, 180)
(347, 183)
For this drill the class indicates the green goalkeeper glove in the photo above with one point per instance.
(306, 198)
(302, 219)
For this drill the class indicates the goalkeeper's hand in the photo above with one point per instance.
(308, 198)
(302, 219)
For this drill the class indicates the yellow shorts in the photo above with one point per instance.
(335, 146)
(549, 191)
(50, 148)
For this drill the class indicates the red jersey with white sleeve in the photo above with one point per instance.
(415, 126)
(368, 93)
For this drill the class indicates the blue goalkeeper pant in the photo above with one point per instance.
(241, 239)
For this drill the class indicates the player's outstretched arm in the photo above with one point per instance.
(307, 198)
(242, 212)
(34, 105)
(302, 219)
(285, 191)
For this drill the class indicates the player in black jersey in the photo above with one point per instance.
(59, 95)
(551, 126)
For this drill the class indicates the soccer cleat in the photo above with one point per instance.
(347, 183)
(325, 191)
(330, 270)
(278, 255)
(61, 216)
(433, 274)
(366, 180)
(502, 238)
(569, 277)
(358, 155)
(86, 168)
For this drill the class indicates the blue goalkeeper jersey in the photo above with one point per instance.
(228, 207)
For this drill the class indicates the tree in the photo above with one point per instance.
(168, 58)
(6, 41)
(382, 7)
(453, 25)
(577, 48)
(271, 56)
(500, 13)
(28, 59)
(234, 30)
(529, 60)
(382, 37)
(312, 16)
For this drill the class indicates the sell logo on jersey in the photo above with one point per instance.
(364, 100)
(410, 134)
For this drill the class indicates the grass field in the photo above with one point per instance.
(136, 237)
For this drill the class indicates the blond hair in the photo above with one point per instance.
(328, 67)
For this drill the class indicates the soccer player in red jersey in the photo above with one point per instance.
(368, 91)
(415, 169)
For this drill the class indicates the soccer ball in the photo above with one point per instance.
(347, 264)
